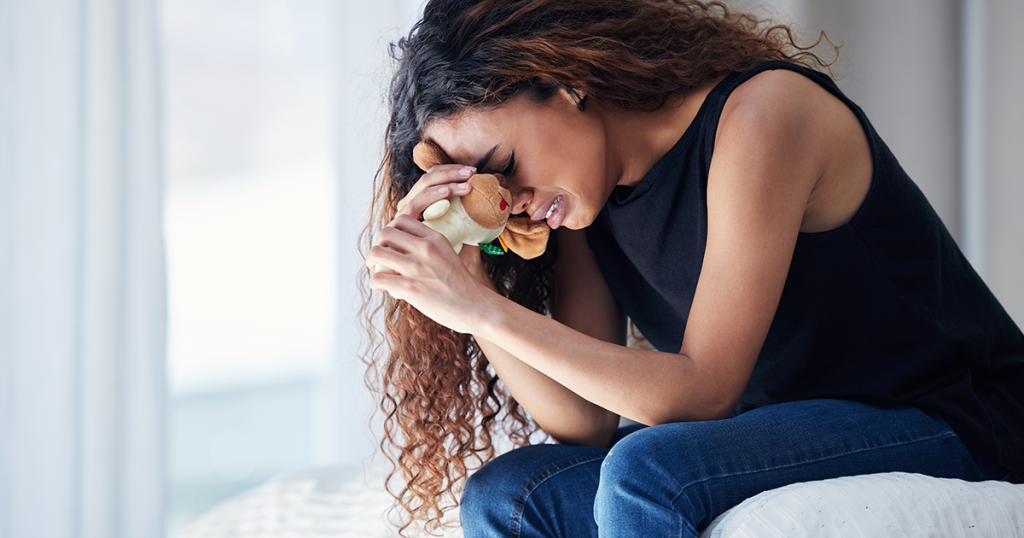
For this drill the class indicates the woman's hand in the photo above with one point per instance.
(427, 271)
(437, 184)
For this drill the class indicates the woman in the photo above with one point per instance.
(812, 317)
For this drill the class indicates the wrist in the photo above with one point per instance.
(471, 258)
(488, 316)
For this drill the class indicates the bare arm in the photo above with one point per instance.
(767, 162)
(774, 143)
(583, 303)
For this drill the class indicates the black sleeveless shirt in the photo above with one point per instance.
(883, 310)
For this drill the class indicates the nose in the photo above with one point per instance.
(520, 199)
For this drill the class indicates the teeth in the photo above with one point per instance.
(552, 209)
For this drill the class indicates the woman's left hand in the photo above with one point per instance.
(430, 275)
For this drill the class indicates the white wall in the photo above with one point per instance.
(364, 31)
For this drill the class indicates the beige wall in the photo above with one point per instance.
(1004, 185)
(902, 62)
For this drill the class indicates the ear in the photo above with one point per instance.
(427, 154)
(579, 98)
(525, 237)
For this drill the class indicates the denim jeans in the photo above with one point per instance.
(673, 479)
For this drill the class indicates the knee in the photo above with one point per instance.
(488, 497)
(644, 472)
(651, 456)
(491, 494)
(540, 490)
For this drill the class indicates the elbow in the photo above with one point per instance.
(599, 433)
(689, 411)
(723, 410)
(602, 438)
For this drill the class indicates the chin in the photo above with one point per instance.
(578, 224)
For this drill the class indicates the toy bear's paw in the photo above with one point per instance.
(436, 209)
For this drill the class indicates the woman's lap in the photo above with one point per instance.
(671, 480)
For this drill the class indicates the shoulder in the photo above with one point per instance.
(778, 101)
(778, 123)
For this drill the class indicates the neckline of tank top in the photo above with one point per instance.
(622, 195)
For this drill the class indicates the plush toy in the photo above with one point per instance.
(481, 216)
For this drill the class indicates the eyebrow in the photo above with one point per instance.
(482, 163)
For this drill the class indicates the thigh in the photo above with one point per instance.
(672, 479)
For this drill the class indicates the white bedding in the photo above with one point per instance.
(870, 506)
(329, 502)
(337, 503)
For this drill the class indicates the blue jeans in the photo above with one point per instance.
(673, 479)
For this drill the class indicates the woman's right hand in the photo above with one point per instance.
(437, 184)
(432, 187)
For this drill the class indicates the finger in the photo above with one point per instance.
(448, 168)
(410, 226)
(387, 283)
(441, 176)
(411, 237)
(405, 234)
(381, 256)
(416, 205)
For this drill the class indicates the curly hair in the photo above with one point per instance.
(443, 406)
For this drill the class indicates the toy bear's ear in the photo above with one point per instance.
(427, 154)
(525, 237)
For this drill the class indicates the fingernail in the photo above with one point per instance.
(466, 172)
(462, 186)
(442, 190)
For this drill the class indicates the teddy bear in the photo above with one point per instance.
(481, 216)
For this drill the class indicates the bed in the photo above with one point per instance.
(347, 503)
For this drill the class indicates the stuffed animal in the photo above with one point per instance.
(481, 216)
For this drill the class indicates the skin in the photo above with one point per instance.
(789, 158)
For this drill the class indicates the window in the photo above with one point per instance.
(250, 226)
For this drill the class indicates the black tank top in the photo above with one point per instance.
(883, 310)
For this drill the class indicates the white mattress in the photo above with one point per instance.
(338, 503)
(870, 506)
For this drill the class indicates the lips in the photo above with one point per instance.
(553, 212)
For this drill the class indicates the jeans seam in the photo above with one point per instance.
(519, 506)
(843, 455)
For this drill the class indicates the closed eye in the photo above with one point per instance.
(510, 167)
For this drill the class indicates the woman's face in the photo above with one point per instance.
(553, 155)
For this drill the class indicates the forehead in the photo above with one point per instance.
(470, 135)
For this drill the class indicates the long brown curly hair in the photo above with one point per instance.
(443, 406)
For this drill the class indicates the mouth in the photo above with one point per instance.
(555, 213)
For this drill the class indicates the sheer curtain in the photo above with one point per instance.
(364, 30)
(82, 320)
